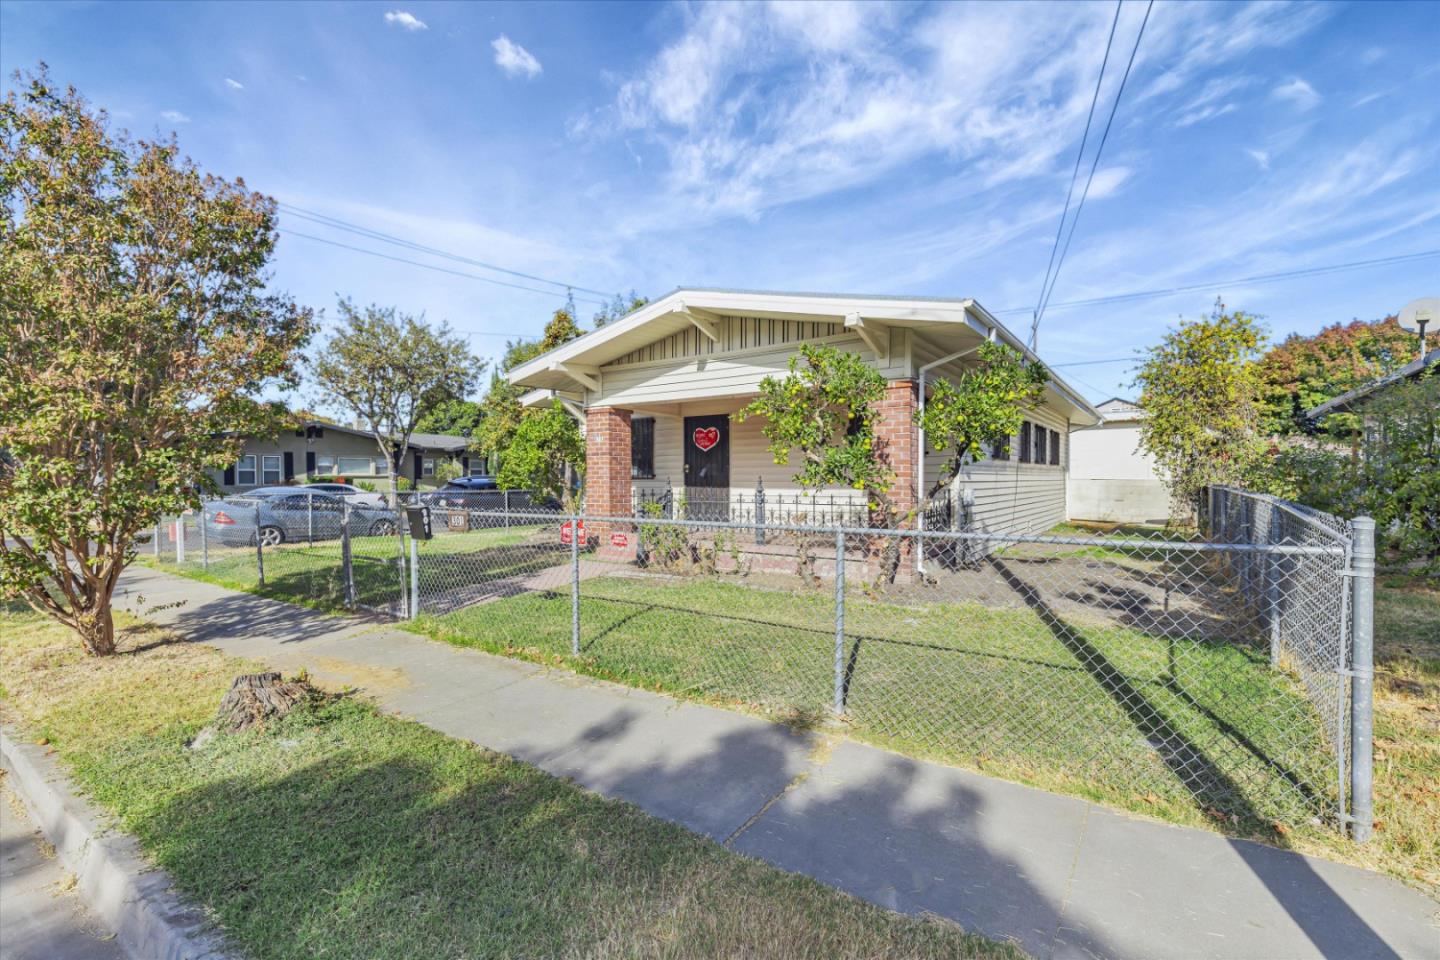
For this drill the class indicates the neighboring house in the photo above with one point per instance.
(315, 448)
(656, 389)
(1111, 478)
(1351, 402)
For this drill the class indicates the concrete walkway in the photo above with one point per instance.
(1064, 877)
(41, 915)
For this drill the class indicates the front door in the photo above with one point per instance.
(707, 467)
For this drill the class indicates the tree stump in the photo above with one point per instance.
(254, 698)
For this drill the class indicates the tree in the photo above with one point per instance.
(453, 416)
(135, 332)
(381, 365)
(546, 446)
(825, 410)
(1199, 388)
(617, 308)
(502, 413)
(985, 405)
(1303, 372)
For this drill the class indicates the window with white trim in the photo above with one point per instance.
(324, 464)
(270, 469)
(347, 466)
(427, 467)
(245, 471)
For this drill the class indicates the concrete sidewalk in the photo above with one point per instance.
(1063, 877)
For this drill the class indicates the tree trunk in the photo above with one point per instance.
(97, 628)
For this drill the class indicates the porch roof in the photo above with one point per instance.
(949, 323)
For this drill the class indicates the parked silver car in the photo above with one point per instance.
(279, 515)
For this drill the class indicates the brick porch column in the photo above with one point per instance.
(897, 445)
(897, 441)
(607, 477)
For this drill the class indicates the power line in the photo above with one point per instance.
(1100, 149)
(1212, 284)
(338, 224)
(1075, 174)
(431, 266)
(1091, 363)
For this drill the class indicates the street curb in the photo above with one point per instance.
(126, 893)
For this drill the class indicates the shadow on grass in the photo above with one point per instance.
(395, 843)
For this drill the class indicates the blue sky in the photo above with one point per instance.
(862, 148)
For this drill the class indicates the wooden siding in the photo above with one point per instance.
(736, 334)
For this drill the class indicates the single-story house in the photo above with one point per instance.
(316, 448)
(1111, 479)
(656, 390)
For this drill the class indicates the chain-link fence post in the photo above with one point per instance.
(347, 568)
(155, 541)
(575, 584)
(1362, 676)
(414, 578)
(507, 509)
(839, 702)
(204, 538)
(259, 548)
(310, 517)
(180, 539)
(1273, 567)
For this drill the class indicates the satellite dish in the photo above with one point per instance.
(1419, 314)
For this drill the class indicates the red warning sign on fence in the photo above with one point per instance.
(566, 536)
(619, 540)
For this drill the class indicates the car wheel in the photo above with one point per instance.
(382, 528)
(271, 536)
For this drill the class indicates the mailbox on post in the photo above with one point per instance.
(419, 518)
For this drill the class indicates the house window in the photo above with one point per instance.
(1040, 443)
(642, 448)
(270, 469)
(348, 466)
(1025, 446)
(1000, 448)
(245, 471)
(477, 467)
(325, 465)
(1054, 448)
(427, 467)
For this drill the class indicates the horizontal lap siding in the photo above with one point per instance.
(1015, 498)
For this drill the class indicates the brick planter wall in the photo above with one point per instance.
(897, 444)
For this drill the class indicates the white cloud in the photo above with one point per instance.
(1298, 92)
(1261, 158)
(173, 116)
(754, 106)
(234, 84)
(405, 20)
(1108, 181)
(514, 59)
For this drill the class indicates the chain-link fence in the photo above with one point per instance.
(1141, 667)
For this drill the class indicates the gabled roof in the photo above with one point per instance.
(1347, 401)
(686, 307)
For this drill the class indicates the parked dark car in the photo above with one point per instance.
(462, 492)
(291, 515)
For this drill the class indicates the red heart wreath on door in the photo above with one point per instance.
(706, 437)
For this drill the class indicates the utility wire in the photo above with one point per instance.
(1091, 363)
(1212, 284)
(431, 266)
(1100, 149)
(338, 224)
(1075, 174)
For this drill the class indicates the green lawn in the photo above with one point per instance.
(344, 833)
(1158, 724)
